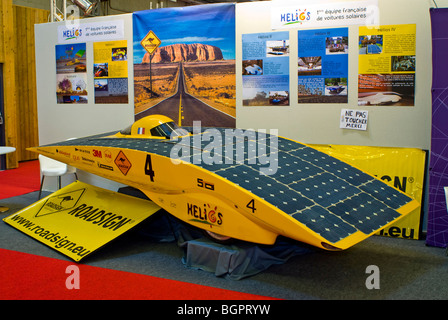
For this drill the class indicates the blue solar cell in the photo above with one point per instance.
(289, 145)
(333, 165)
(325, 189)
(373, 48)
(323, 222)
(391, 197)
(290, 169)
(242, 153)
(364, 212)
(266, 188)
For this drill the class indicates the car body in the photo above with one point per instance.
(310, 197)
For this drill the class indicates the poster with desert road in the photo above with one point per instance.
(190, 76)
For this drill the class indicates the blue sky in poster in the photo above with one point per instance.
(212, 24)
(68, 51)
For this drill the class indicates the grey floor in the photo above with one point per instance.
(408, 269)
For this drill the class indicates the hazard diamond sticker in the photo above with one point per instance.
(123, 163)
(60, 202)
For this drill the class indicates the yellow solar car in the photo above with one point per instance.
(241, 184)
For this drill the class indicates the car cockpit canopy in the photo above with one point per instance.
(153, 126)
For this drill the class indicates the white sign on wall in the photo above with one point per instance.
(73, 32)
(324, 14)
(354, 119)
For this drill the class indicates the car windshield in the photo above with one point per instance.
(168, 130)
(164, 130)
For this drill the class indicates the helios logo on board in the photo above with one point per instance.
(93, 31)
(70, 34)
(287, 15)
(297, 17)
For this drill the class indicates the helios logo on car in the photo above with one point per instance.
(208, 214)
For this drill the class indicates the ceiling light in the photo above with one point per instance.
(85, 5)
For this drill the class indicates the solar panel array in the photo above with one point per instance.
(373, 49)
(327, 195)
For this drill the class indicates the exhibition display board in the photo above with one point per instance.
(83, 76)
(388, 125)
(333, 43)
(337, 72)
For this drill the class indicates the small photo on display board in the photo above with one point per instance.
(110, 71)
(71, 73)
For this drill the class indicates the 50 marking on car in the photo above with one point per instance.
(205, 184)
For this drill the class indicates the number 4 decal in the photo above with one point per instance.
(251, 205)
(148, 168)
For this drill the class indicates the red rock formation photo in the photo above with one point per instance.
(185, 52)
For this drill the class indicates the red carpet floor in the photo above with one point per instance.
(24, 179)
(30, 277)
